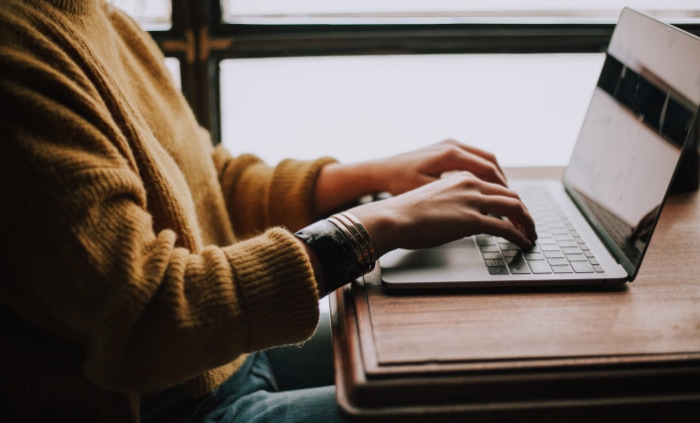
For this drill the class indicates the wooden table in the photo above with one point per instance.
(567, 354)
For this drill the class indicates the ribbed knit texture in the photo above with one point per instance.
(122, 273)
(73, 6)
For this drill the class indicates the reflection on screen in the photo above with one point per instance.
(627, 152)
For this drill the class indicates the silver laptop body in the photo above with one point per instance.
(594, 225)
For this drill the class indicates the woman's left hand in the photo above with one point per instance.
(339, 184)
(407, 171)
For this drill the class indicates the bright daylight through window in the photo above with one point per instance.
(356, 108)
(152, 15)
(454, 11)
(360, 106)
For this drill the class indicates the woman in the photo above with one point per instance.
(144, 269)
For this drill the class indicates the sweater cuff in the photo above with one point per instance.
(294, 185)
(277, 287)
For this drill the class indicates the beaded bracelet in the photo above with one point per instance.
(343, 247)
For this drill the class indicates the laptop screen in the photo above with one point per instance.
(643, 110)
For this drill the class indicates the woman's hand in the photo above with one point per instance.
(428, 208)
(445, 210)
(404, 172)
(340, 184)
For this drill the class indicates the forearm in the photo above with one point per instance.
(259, 196)
(341, 184)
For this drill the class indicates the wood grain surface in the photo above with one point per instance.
(519, 353)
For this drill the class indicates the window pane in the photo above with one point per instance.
(362, 107)
(152, 15)
(455, 11)
(173, 65)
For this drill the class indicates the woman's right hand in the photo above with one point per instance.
(450, 208)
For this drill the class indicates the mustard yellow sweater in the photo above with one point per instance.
(134, 255)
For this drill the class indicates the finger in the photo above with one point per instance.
(487, 160)
(505, 202)
(490, 188)
(480, 167)
(512, 209)
(483, 154)
(521, 219)
(509, 201)
(505, 229)
(469, 182)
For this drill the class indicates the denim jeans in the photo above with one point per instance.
(289, 384)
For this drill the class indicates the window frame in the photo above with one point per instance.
(201, 39)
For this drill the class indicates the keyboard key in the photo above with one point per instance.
(508, 246)
(489, 248)
(485, 240)
(534, 256)
(582, 267)
(562, 269)
(498, 270)
(559, 248)
(540, 267)
(518, 266)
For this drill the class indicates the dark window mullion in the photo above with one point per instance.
(207, 14)
(180, 41)
(315, 40)
(302, 40)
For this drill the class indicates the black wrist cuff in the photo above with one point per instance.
(335, 253)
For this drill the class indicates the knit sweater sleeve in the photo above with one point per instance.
(99, 240)
(259, 196)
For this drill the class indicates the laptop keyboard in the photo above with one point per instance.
(558, 249)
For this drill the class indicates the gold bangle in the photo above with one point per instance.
(353, 225)
(350, 237)
(358, 237)
(333, 249)
(365, 234)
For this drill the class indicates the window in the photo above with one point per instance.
(358, 107)
(152, 15)
(362, 107)
(167, 22)
(362, 78)
(449, 11)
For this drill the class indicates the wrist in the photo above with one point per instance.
(381, 223)
(341, 184)
(340, 248)
(374, 175)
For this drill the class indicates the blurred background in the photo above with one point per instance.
(357, 79)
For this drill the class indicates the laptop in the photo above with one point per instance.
(594, 225)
